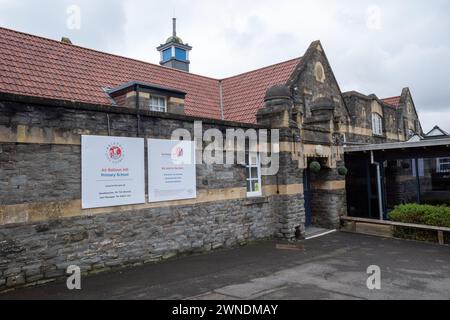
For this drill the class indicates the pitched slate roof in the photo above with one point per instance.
(394, 101)
(35, 66)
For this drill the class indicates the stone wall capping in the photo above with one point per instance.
(256, 200)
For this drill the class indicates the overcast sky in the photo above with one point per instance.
(373, 46)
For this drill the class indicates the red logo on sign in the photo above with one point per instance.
(115, 152)
(179, 152)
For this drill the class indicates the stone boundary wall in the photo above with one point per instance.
(43, 228)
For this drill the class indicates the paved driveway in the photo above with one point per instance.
(330, 267)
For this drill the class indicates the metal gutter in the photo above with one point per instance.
(399, 145)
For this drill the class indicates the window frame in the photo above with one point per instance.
(377, 124)
(150, 105)
(248, 175)
(440, 164)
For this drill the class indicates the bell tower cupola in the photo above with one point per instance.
(175, 53)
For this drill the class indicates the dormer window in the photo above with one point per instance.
(377, 124)
(157, 103)
(148, 97)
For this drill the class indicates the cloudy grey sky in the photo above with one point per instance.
(374, 46)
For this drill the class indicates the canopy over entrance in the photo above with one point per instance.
(382, 176)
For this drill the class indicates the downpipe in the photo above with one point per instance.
(380, 196)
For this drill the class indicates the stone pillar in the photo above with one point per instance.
(288, 204)
(323, 141)
(328, 197)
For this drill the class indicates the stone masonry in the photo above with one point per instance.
(43, 229)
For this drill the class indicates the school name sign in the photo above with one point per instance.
(113, 171)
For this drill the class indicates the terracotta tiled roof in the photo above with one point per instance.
(394, 101)
(35, 66)
(31, 65)
(244, 94)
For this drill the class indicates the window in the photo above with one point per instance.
(167, 55)
(253, 170)
(157, 103)
(377, 124)
(443, 165)
(421, 167)
(180, 54)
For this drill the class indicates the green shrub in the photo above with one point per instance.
(315, 166)
(421, 214)
(342, 171)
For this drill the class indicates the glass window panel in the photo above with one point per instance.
(180, 54)
(377, 125)
(167, 54)
(254, 172)
(157, 104)
(253, 175)
(255, 185)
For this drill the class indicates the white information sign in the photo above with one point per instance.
(112, 171)
(171, 170)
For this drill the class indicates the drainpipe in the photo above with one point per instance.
(138, 107)
(380, 195)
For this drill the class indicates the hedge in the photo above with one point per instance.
(420, 214)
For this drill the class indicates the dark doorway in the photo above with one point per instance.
(361, 188)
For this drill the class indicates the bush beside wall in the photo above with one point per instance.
(421, 214)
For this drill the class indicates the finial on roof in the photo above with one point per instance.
(66, 40)
(174, 28)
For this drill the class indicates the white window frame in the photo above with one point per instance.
(377, 124)
(250, 178)
(156, 108)
(440, 164)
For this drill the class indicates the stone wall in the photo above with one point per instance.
(361, 108)
(43, 228)
(41, 251)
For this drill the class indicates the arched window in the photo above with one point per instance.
(377, 124)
